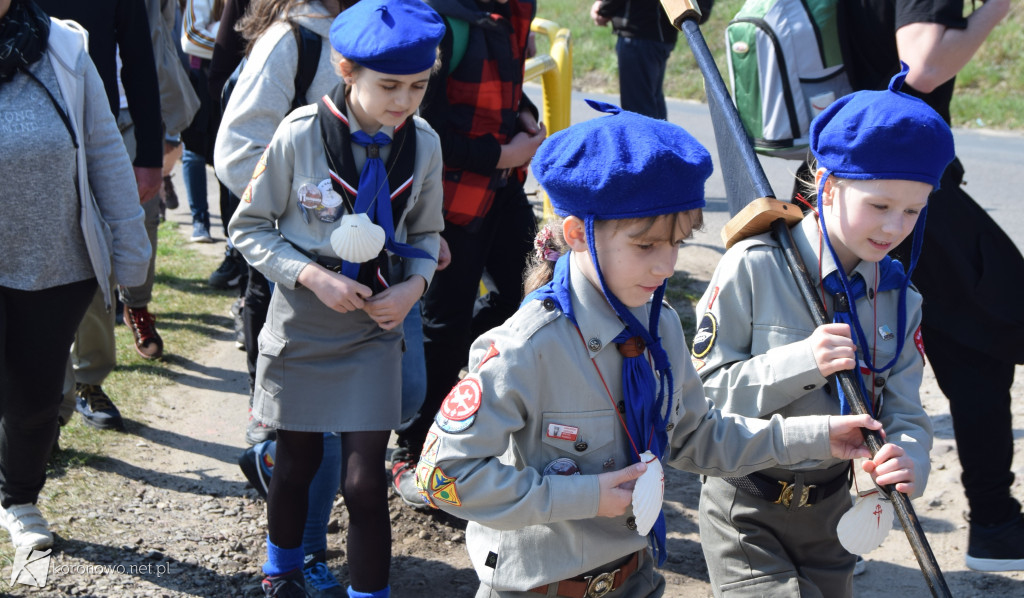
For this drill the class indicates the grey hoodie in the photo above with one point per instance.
(264, 92)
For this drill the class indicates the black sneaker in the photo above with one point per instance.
(96, 407)
(289, 585)
(320, 582)
(231, 272)
(998, 547)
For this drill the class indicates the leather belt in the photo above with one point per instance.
(783, 492)
(596, 585)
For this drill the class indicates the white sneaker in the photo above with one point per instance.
(27, 527)
(861, 566)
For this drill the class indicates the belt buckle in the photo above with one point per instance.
(600, 585)
(786, 495)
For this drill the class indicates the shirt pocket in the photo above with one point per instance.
(583, 437)
(770, 336)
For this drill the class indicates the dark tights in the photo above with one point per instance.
(363, 485)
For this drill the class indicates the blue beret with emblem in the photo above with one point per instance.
(624, 165)
(882, 135)
(395, 37)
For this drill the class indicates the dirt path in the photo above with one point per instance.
(170, 514)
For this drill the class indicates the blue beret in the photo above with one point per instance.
(396, 37)
(622, 166)
(883, 135)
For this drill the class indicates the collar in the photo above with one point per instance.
(353, 124)
(595, 317)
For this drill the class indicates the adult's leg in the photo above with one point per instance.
(193, 171)
(978, 389)
(32, 361)
(642, 65)
(94, 355)
(365, 488)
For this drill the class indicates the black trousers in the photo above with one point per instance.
(454, 315)
(254, 316)
(37, 328)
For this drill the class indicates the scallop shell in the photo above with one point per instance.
(357, 239)
(648, 494)
(866, 524)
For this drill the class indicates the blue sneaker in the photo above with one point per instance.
(96, 407)
(320, 582)
(257, 463)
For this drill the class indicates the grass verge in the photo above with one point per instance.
(990, 89)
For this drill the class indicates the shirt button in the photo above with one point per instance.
(631, 523)
(594, 345)
(871, 293)
(621, 406)
(669, 427)
(549, 304)
(581, 446)
(879, 382)
(809, 387)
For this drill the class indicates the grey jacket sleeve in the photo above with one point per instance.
(736, 379)
(261, 99)
(112, 181)
(253, 227)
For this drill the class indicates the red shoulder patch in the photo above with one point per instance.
(463, 400)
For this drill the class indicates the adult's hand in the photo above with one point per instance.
(597, 18)
(148, 181)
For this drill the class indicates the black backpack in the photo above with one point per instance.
(309, 45)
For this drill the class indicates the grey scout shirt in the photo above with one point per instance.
(268, 225)
(535, 396)
(753, 354)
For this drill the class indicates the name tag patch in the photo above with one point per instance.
(563, 432)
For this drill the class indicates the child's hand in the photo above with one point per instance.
(833, 348)
(617, 489)
(521, 148)
(594, 16)
(340, 293)
(846, 438)
(389, 307)
(891, 465)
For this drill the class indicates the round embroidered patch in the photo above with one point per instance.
(453, 426)
(463, 401)
(704, 339)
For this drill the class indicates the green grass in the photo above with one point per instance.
(990, 89)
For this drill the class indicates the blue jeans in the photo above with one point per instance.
(642, 75)
(193, 170)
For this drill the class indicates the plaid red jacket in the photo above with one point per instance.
(475, 107)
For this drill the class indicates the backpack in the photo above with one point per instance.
(785, 67)
(309, 46)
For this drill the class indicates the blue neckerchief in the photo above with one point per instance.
(375, 194)
(891, 276)
(643, 396)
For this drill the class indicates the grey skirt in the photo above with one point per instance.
(323, 371)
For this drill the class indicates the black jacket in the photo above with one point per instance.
(645, 19)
